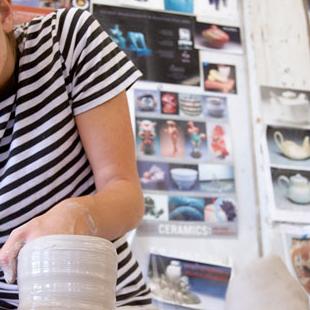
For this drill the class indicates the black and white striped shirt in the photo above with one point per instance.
(67, 65)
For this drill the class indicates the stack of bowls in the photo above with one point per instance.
(67, 272)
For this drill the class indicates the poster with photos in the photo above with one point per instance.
(218, 37)
(182, 284)
(296, 244)
(218, 10)
(287, 107)
(185, 162)
(150, 38)
(288, 156)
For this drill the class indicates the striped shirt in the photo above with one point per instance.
(67, 65)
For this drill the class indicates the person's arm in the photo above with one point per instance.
(116, 208)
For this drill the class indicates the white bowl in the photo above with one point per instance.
(67, 272)
(184, 178)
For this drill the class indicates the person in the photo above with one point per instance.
(67, 162)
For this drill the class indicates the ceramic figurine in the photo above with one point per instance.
(218, 144)
(196, 138)
(174, 134)
(147, 135)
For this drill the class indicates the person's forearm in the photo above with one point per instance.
(111, 212)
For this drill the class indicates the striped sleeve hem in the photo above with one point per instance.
(97, 70)
(93, 102)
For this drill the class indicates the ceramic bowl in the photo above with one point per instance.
(67, 272)
(184, 178)
(190, 104)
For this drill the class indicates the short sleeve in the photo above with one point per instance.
(98, 69)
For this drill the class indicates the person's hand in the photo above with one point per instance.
(65, 218)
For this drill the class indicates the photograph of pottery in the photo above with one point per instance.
(181, 284)
(216, 107)
(219, 78)
(196, 143)
(153, 175)
(190, 104)
(291, 189)
(216, 178)
(183, 6)
(285, 106)
(220, 37)
(169, 103)
(289, 147)
(147, 101)
(184, 178)
(210, 210)
(217, 9)
(147, 137)
(155, 207)
(172, 138)
(219, 144)
(300, 258)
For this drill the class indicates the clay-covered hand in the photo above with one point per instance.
(68, 217)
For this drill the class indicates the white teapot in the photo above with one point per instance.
(291, 149)
(174, 271)
(297, 188)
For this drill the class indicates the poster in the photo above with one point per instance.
(286, 115)
(182, 284)
(218, 10)
(150, 38)
(185, 162)
(221, 38)
(296, 243)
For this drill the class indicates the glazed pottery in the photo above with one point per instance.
(215, 37)
(296, 188)
(216, 106)
(174, 271)
(190, 104)
(290, 107)
(184, 178)
(291, 149)
(67, 272)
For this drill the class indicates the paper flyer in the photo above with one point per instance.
(150, 38)
(185, 162)
(181, 284)
(296, 243)
(286, 115)
(220, 10)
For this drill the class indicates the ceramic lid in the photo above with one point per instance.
(298, 178)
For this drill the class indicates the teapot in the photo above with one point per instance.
(291, 149)
(297, 188)
(174, 271)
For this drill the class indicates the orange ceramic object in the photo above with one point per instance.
(215, 37)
